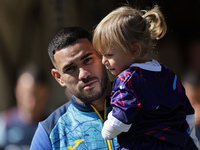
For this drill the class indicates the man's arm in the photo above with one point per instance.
(40, 140)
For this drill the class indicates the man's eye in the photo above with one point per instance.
(69, 69)
(88, 60)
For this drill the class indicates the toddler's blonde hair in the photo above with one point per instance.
(125, 26)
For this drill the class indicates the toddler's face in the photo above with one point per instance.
(116, 60)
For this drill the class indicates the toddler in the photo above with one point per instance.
(150, 108)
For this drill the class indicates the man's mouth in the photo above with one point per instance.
(89, 85)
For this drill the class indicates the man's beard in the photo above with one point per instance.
(90, 96)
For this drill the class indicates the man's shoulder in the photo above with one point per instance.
(53, 118)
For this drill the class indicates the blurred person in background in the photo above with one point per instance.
(191, 83)
(18, 124)
(191, 79)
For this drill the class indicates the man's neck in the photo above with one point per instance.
(99, 104)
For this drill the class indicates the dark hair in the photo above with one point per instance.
(65, 37)
(37, 72)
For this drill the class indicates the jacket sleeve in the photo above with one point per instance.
(113, 127)
(40, 140)
(191, 122)
(2, 132)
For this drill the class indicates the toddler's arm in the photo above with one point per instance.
(113, 127)
(108, 132)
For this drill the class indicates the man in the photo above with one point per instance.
(78, 123)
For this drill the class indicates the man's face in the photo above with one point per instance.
(79, 68)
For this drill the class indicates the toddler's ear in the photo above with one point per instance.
(136, 50)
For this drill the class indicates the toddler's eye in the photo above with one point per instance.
(108, 55)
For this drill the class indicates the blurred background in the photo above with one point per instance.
(27, 26)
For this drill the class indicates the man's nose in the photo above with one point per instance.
(83, 73)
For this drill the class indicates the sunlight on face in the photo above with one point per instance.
(81, 71)
(116, 60)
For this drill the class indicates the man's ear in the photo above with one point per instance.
(136, 50)
(57, 76)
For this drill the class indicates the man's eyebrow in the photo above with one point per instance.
(85, 56)
(70, 64)
(66, 66)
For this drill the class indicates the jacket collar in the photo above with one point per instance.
(85, 107)
(150, 65)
